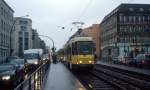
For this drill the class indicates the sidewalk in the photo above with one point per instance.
(60, 78)
(132, 69)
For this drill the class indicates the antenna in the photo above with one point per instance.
(78, 24)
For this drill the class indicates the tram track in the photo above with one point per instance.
(129, 79)
(96, 80)
(125, 72)
(107, 78)
(92, 82)
(122, 85)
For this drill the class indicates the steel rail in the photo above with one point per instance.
(141, 84)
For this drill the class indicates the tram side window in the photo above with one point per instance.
(68, 50)
(69, 53)
(74, 49)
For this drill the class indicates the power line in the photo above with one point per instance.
(84, 10)
(80, 16)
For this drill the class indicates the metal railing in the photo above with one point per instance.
(35, 80)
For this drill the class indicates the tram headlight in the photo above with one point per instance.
(90, 61)
(80, 61)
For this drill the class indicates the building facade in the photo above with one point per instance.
(22, 35)
(43, 46)
(6, 22)
(37, 42)
(94, 32)
(35, 39)
(126, 31)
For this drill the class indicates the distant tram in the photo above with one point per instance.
(79, 53)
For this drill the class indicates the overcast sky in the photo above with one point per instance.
(48, 15)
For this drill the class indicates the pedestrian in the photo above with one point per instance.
(54, 58)
(95, 56)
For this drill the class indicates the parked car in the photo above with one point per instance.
(142, 60)
(45, 59)
(12, 58)
(21, 65)
(115, 60)
(126, 60)
(120, 59)
(9, 77)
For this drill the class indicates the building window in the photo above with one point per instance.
(23, 28)
(143, 18)
(20, 33)
(26, 46)
(125, 19)
(121, 18)
(134, 19)
(141, 9)
(2, 11)
(26, 34)
(23, 22)
(20, 22)
(131, 9)
(130, 19)
(139, 18)
(20, 39)
(26, 43)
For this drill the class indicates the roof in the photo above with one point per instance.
(76, 39)
(23, 18)
(124, 7)
(7, 5)
(33, 51)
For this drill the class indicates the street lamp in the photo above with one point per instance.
(53, 48)
(11, 30)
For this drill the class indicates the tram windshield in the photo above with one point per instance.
(85, 47)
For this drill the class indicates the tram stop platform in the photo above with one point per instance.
(127, 68)
(60, 78)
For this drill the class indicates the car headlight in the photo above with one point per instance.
(36, 62)
(5, 77)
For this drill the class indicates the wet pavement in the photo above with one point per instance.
(60, 78)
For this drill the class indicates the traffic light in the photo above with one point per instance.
(53, 49)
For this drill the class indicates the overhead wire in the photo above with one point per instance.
(85, 10)
(79, 19)
(81, 15)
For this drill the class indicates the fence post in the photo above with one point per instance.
(30, 86)
(34, 80)
(41, 80)
(21, 88)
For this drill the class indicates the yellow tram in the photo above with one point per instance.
(79, 53)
